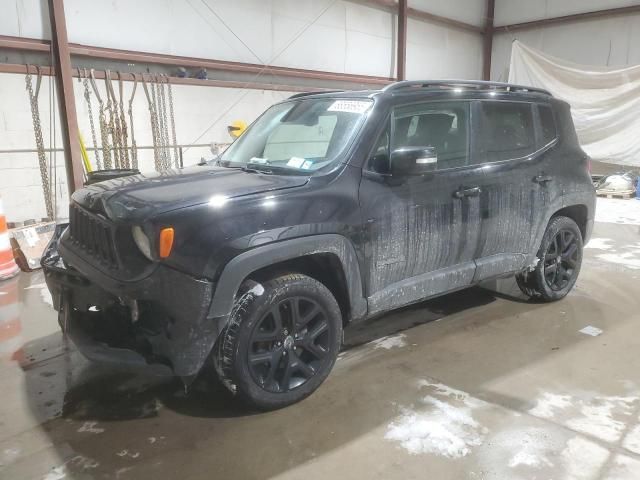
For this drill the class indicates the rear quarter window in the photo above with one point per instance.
(505, 131)
(548, 130)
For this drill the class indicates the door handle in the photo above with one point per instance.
(542, 179)
(468, 192)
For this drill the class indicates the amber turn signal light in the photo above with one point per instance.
(166, 242)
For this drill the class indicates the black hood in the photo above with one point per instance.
(143, 196)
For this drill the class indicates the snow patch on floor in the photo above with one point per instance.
(583, 459)
(442, 424)
(612, 210)
(600, 244)
(90, 427)
(549, 403)
(521, 452)
(44, 292)
(597, 418)
(393, 341)
(56, 473)
(603, 417)
(46, 296)
(628, 259)
(624, 468)
(632, 440)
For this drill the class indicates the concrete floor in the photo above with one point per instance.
(478, 384)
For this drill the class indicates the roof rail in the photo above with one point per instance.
(478, 84)
(304, 94)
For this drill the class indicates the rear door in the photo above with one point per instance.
(514, 152)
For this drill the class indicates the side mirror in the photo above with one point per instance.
(413, 160)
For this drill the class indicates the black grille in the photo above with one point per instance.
(93, 234)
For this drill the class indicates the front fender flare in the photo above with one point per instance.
(248, 262)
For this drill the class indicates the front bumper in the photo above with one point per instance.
(158, 323)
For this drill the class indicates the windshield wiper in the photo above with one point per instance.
(256, 170)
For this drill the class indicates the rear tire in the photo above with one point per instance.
(559, 262)
(281, 341)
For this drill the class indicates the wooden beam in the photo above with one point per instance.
(487, 40)
(66, 98)
(401, 56)
(576, 17)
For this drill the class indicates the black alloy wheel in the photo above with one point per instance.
(556, 271)
(281, 341)
(561, 259)
(289, 344)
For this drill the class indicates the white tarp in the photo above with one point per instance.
(605, 101)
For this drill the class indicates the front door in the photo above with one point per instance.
(422, 231)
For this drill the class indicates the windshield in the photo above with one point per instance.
(298, 137)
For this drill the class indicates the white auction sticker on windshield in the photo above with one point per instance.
(295, 162)
(349, 106)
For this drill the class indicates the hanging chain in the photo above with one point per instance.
(161, 123)
(165, 120)
(114, 122)
(123, 126)
(176, 159)
(87, 97)
(134, 147)
(154, 122)
(37, 130)
(104, 129)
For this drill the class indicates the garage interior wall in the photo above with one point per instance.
(346, 37)
(611, 41)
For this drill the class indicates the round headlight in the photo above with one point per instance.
(142, 241)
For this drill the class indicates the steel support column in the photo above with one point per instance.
(401, 57)
(487, 40)
(66, 98)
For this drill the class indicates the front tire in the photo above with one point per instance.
(281, 342)
(560, 259)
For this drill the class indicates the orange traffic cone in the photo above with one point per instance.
(10, 326)
(8, 266)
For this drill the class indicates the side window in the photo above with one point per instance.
(547, 124)
(505, 131)
(379, 161)
(441, 125)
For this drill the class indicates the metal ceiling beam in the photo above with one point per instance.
(66, 98)
(100, 74)
(416, 14)
(34, 45)
(401, 56)
(487, 40)
(576, 17)
(24, 44)
(449, 22)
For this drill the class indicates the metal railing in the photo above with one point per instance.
(138, 147)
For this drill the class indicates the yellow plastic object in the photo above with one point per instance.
(85, 156)
(237, 128)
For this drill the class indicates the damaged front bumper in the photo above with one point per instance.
(158, 324)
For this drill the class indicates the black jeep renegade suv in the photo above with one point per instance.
(330, 208)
